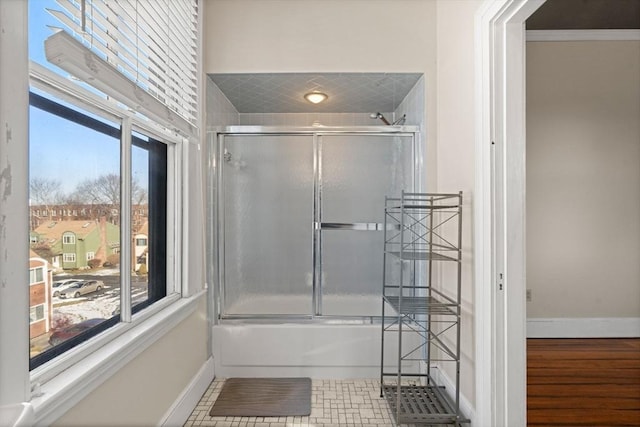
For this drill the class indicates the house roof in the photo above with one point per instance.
(54, 229)
(144, 229)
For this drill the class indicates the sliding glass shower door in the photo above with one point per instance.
(356, 173)
(302, 218)
(268, 189)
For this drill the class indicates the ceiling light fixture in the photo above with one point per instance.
(315, 97)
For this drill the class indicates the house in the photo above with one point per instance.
(40, 214)
(470, 54)
(40, 306)
(141, 247)
(72, 243)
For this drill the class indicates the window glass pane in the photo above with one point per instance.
(148, 220)
(42, 24)
(74, 165)
(139, 224)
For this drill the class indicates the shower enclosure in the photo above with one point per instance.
(298, 215)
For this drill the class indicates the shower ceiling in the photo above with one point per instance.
(284, 92)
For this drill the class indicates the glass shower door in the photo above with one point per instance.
(268, 202)
(356, 173)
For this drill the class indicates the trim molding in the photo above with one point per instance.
(581, 35)
(600, 327)
(179, 412)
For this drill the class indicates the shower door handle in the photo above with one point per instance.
(357, 226)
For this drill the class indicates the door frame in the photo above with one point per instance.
(499, 212)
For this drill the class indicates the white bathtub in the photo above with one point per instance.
(324, 350)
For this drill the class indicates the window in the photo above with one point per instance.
(141, 241)
(94, 143)
(36, 275)
(85, 142)
(36, 313)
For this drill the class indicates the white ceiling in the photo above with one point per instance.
(284, 92)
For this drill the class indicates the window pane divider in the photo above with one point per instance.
(125, 222)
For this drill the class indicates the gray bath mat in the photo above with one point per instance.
(263, 397)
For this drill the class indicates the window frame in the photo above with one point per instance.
(177, 303)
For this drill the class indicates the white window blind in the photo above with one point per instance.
(152, 42)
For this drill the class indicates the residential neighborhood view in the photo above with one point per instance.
(74, 221)
(74, 267)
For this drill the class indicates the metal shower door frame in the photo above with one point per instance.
(215, 195)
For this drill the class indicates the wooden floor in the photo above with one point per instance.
(583, 382)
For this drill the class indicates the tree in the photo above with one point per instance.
(43, 191)
(103, 190)
(104, 193)
(138, 193)
(106, 190)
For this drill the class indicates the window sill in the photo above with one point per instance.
(64, 390)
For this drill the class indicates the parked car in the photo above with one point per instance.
(60, 285)
(82, 288)
(65, 333)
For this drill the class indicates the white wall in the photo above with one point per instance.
(583, 179)
(141, 393)
(14, 213)
(456, 156)
(433, 37)
(263, 36)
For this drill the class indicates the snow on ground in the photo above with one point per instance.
(104, 306)
(106, 272)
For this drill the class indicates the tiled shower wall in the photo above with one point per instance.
(413, 106)
(220, 112)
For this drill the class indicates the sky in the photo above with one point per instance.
(59, 149)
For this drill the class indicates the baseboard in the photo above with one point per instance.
(179, 412)
(442, 379)
(601, 327)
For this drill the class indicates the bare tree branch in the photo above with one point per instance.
(44, 191)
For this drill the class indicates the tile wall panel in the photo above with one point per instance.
(220, 111)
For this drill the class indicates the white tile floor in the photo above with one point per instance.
(334, 403)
